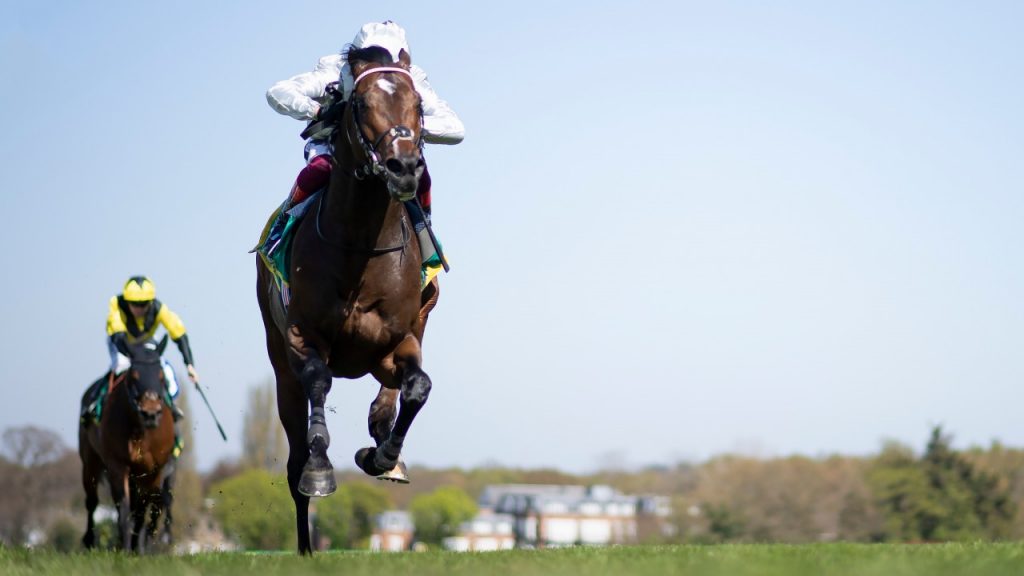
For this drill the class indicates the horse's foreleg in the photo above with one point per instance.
(414, 388)
(318, 473)
(383, 411)
(139, 505)
(167, 495)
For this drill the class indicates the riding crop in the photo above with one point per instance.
(210, 408)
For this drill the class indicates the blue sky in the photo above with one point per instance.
(677, 228)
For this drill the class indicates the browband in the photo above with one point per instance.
(382, 69)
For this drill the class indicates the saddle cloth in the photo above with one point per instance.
(275, 245)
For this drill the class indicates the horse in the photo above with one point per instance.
(356, 303)
(132, 443)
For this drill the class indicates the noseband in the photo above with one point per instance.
(372, 165)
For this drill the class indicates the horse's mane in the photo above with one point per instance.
(369, 55)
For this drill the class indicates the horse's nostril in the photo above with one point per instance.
(394, 166)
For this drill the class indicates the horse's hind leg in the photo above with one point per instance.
(415, 389)
(291, 407)
(118, 477)
(293, 412)
(90, 481)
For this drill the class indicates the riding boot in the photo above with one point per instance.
(295, 195)
(177, 413)
(420, 217)
(179, 443)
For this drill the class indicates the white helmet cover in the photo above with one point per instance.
(387, 35)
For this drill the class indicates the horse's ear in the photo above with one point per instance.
(162, 345)
(358, 67)
(404, 58)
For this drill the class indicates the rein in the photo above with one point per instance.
(372, 165)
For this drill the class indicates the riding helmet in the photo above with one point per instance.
(139, 289)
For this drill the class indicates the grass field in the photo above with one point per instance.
(768, 559)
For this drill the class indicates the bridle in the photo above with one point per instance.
(371, 165)
(133, 389)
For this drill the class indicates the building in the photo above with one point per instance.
(392, 531)
(565, 515)
(486, 532)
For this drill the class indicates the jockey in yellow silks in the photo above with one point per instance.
(134, 317)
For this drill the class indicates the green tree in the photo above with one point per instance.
(333, 520)
(188, 489)
(438, 514)
(724, 523)
(263, 442)
(64, 536)
(941, 496)
(346, 517)
(367, 502)
(256, 508)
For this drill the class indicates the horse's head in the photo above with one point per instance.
(384, 119)
(145, 383)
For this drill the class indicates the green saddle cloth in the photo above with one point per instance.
(275, 245)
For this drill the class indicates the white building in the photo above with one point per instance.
(556, 515)
(485, 533)
(392, 531)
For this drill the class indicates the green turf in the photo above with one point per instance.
(741, 560)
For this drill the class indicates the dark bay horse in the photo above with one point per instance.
(132, 443)
(356, 304)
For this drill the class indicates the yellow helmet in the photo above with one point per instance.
(139, 289)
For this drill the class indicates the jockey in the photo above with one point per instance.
(302, 96)
(134, 317)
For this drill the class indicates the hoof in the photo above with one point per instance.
(365, 461)
(398, 474)
(317, 482)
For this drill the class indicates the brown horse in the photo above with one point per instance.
(132, 443)
(356, 304)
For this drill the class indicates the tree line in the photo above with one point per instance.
(898, 495)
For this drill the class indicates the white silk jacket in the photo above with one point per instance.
(300, 97)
